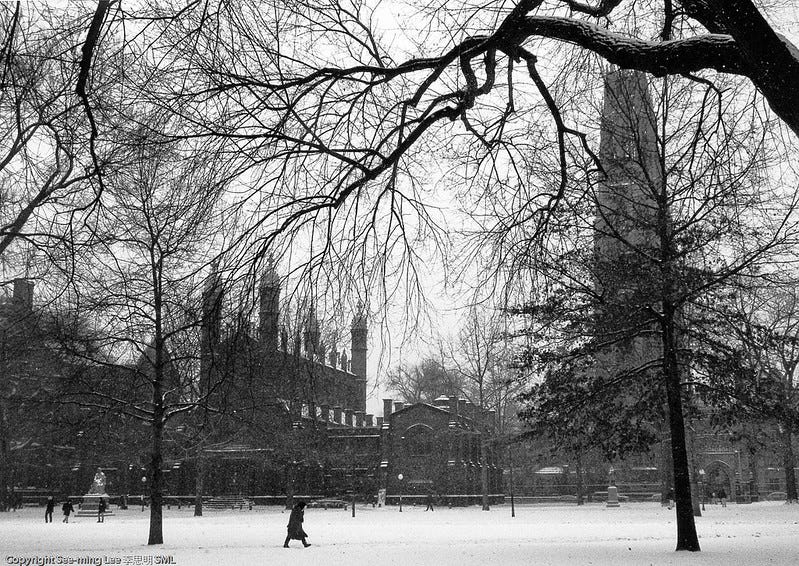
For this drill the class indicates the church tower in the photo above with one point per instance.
(358, 334)
(311, 334)
(210, 325)
(627, 195)
(626, 242)
(269, 308)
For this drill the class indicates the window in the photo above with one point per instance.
(418, 440)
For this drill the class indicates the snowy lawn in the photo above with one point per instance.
(634, 534)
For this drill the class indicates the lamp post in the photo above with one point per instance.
(702, 486)
(399, 477)
(510, 463)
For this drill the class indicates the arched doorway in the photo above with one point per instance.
(718, 476)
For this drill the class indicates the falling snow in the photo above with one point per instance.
(634, 534)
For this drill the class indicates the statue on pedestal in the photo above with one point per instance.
(96, 498)
(98, 484)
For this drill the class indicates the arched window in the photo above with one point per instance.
(418, 440)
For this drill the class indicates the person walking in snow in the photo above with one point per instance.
(294, 528)
(722, 495)
(101, 511)
(48, 510)
(429, 502)
(67, 508)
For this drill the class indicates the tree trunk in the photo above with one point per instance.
(687, 538)
(199, 481)
(484, 473)
(695, 504)
(5, 471)
(157, 456)
(580, 488)
(156, 479)
(789, 463)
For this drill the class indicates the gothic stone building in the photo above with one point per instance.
(312, 435)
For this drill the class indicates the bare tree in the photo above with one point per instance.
(751, 363)
(423, 382)
(622, 295)
(331, 125)
(48, 165)
(480, 358)
(156, 224)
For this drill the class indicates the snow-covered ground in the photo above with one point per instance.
(634, 534)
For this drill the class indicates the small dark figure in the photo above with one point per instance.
(101, 511)
(671, 497)
(67, 508)
(722, 497)
(429, 502)
(48, 510)
(295, 531)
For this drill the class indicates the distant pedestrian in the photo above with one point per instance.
(429, 502)
(671, 497)
(48, 510)
(294, 528)
(67, 508)
(101, 511)
(722, 497)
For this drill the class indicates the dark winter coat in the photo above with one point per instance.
(294, 527)
(722, 494)
(67, 508)
(50, 505)
(101, 507)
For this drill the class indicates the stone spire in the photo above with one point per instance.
(626, 224)
(311, 334)
(269, 312)
(359, 335)
(211, 323)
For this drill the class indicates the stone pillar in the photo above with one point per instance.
(379, 422)
(369, 420)
(348, 413)
(388, 405)
(398, 406)
(312, 410)
(358, 335)
(295, 409)
(613, 496)
(269, 310)
(325, 408)
(359, 418)
(337, 415)
(453, 409)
